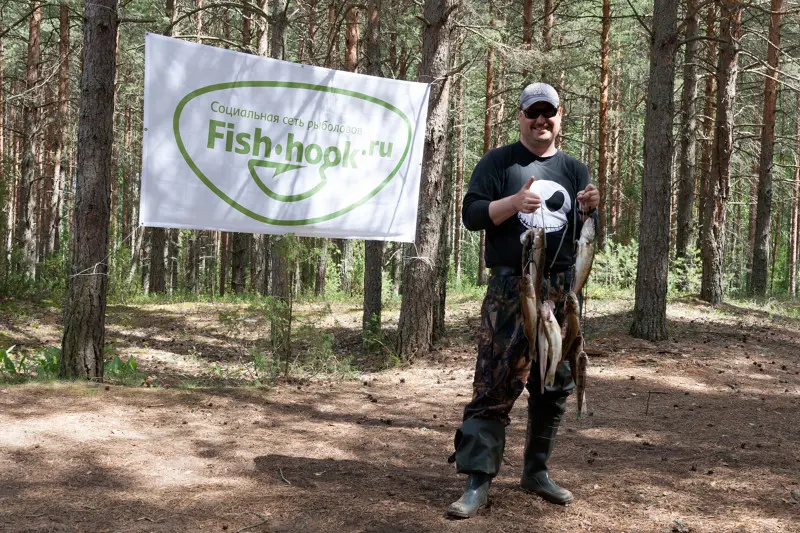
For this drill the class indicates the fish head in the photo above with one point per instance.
(538, 237)
(588, 231)
(571, 304)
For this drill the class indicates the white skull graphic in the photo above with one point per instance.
(556, 203)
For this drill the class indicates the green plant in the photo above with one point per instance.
(7, 365)
(318, 356)
(616, 265)
(49, 363)
(22, 367)
(116, 367)
(684, 274)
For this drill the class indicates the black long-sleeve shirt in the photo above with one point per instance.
(502, 172)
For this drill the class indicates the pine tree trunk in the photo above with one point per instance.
(416, 312)
(173, 248)
(280, 269)
(487, 145)
(280, 332)
(459, 195)
(793, 246)
(25, 227)
(709, 98)
(602, 126)
(688, 134)
(240, 244)
(716, 193)
(84, 316)
(614, 163)
(527, 25)
(443, 255)
(322, 266)
(650, 310)
(278, 38)
(373, 250)
(5, 189)
(198, 21)
(223, 261)
(548, 19)
(764, 207)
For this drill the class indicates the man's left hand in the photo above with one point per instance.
(589, 198)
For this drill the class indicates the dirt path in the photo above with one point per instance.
(699, 434)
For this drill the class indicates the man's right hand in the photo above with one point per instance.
(525, 200)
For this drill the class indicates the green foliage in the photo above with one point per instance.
(7, 364)
(49, 363)
(377, 342)
(19, 367)
(16, 283)
(52, 278)
(684, 275)
(616, 265)
(117, 367)
(318, 356)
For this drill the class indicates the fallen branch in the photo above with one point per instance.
(283, 478)
(264, 521)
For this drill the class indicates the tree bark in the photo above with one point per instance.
(602, 126)
(25, 226)
(459, 195)
(62, 112)
(718, 186)
(280, 268)
(650, 310)
(322, 266)
(688, 134)
(223, 261)
(709, 98)
(487, 145)
(278, 40)
(548, 14)
(84, 315)
(416, 311)
(758, 280)
(6, 188)
(373, 250)
(240, 247)
(527, 24)
(173, 247)
(793, 246)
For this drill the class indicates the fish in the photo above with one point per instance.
(533, 270)
(573, 341)
(552, 332)
(585, 255)
(544, 347)
(533, 258)
(580, 381)
(529, 313)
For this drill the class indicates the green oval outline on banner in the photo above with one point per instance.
(289, 85)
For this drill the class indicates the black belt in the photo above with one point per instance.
(505, 271)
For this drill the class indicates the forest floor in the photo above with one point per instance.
(696, 434)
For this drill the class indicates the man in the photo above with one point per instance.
(515, 187)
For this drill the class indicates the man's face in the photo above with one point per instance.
(541, 131)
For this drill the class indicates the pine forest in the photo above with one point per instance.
(345, 364)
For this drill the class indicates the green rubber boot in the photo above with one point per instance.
(475, 497)
(543, 421)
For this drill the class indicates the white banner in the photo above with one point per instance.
(238, 142)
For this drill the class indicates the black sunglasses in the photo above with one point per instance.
(533, 114)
